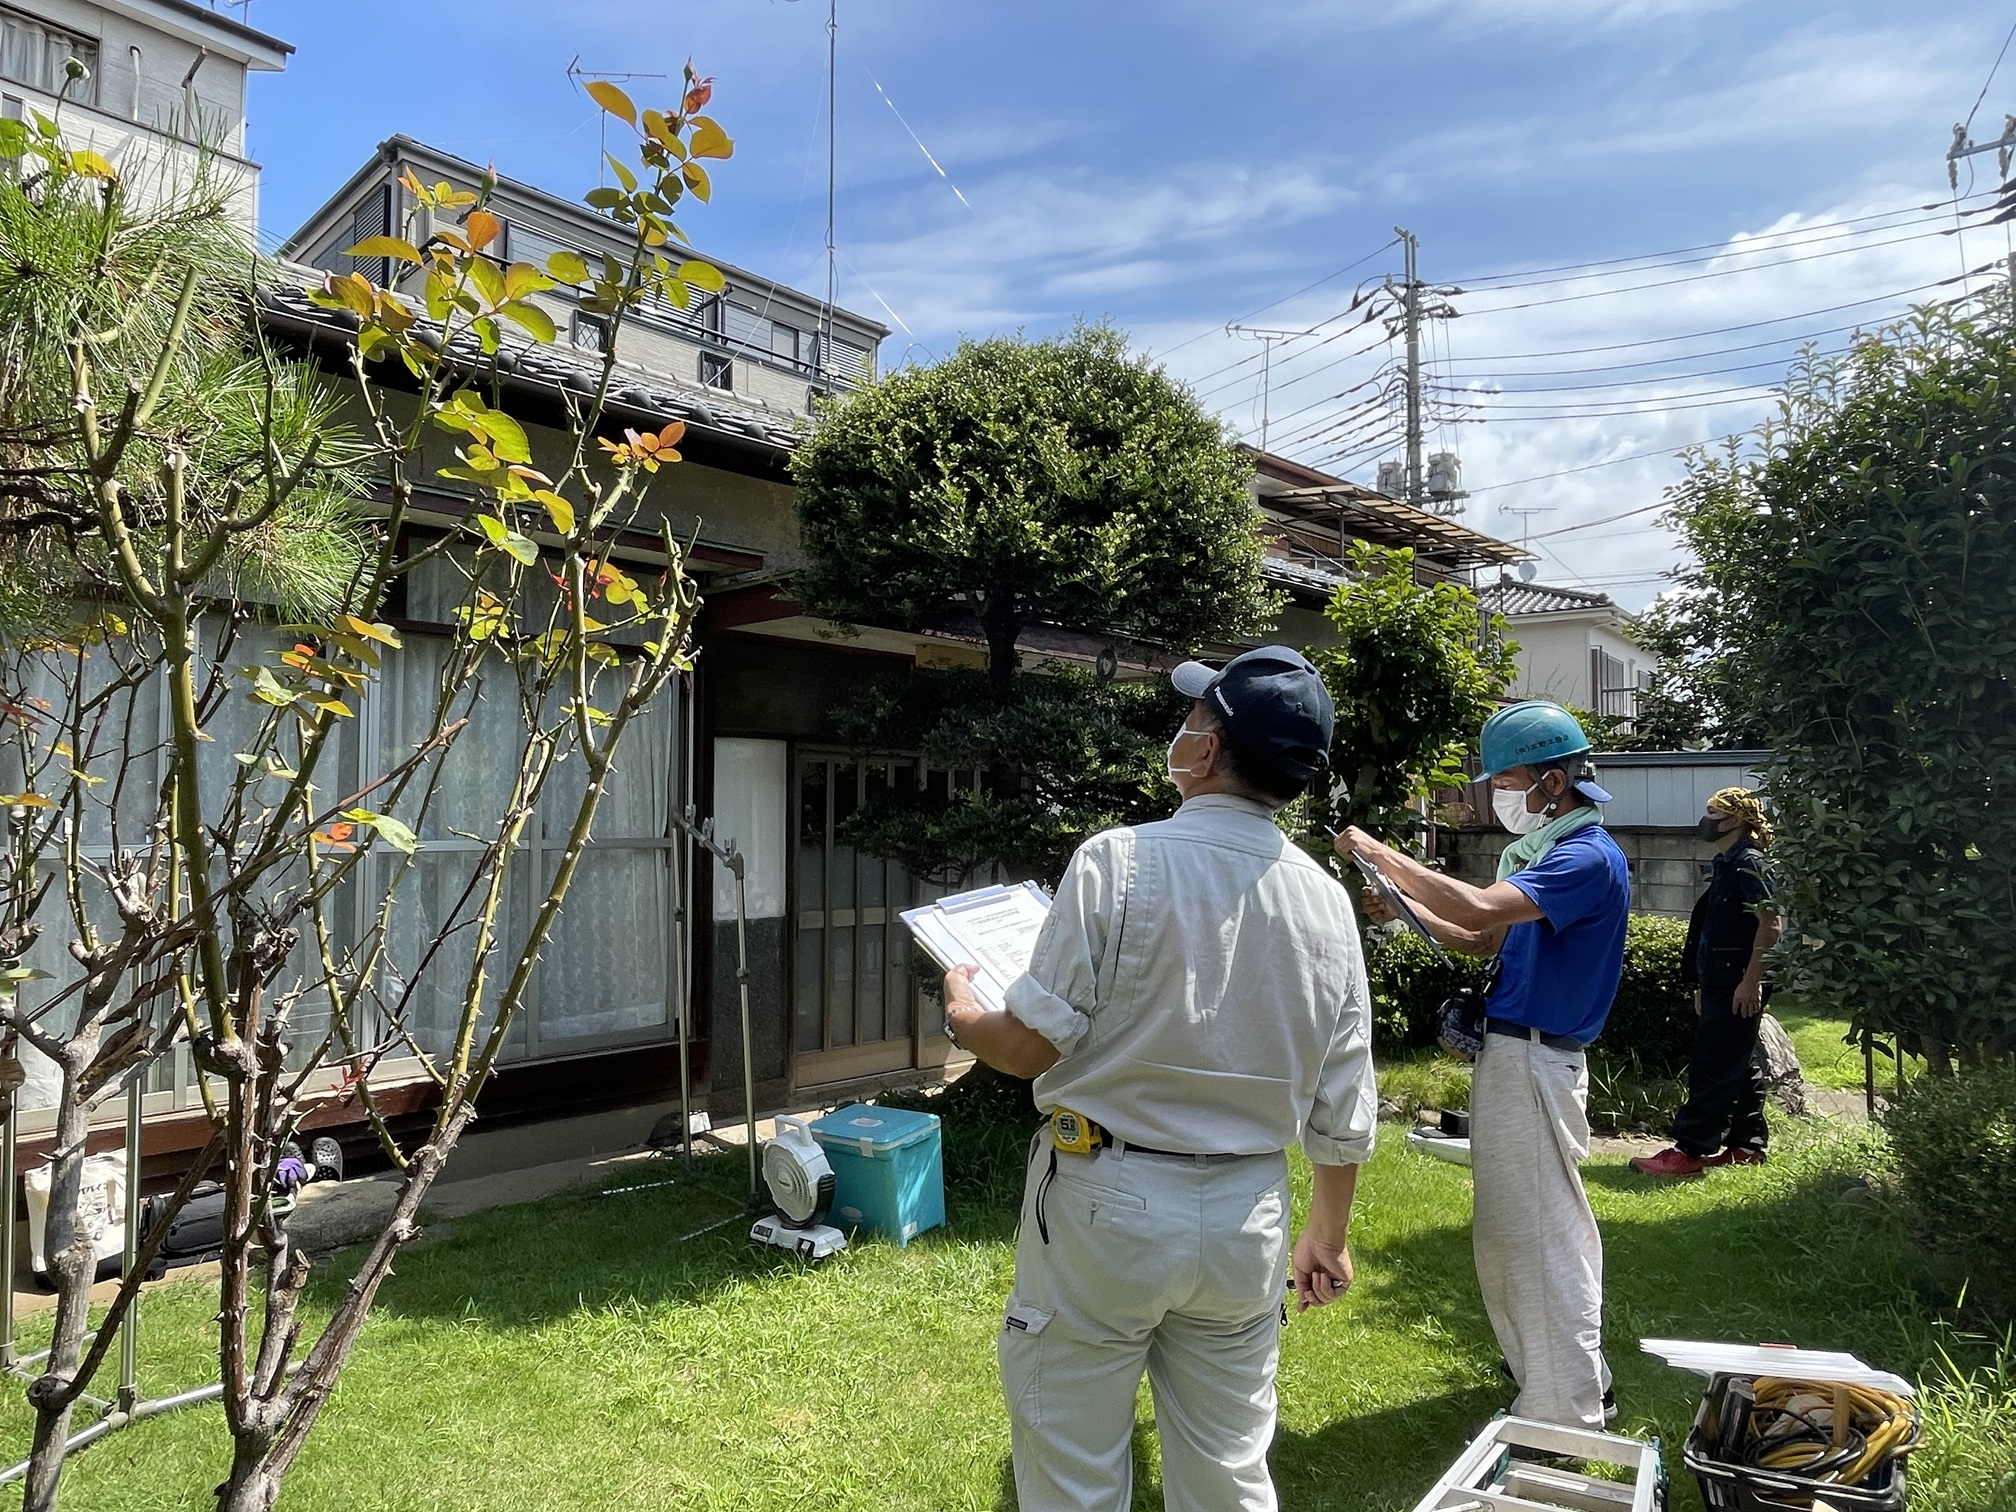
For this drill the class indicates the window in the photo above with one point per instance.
(716, 371)
(36, 54)
(784, 342)
(1615, 691)
(745, 327)
(844, 360)
(590, 332)
(372, 216)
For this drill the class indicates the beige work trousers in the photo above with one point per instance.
(1154, 1263)
(1539, 1253)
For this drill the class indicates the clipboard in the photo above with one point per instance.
(993, 928)
(1396, 900)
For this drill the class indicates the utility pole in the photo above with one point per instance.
(1410, 314)
(1266, 336)
(832, 160)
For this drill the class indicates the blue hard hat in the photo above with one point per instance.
(1273, 704)
(1535, 733)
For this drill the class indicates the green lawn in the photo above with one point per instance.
(572, 1354)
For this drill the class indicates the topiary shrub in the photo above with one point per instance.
(1651, 1023)
(1954, 1138)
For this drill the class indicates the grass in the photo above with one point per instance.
(574, 1354)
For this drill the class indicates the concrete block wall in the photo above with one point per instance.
(1668, 867)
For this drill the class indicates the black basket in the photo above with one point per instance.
(1727, 1487)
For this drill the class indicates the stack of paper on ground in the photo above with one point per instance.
(993, 928)
(1780, 1360)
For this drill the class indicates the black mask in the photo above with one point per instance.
(1709, 827)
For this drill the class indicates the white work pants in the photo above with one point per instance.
(1539, 1254)
(1152, 1263)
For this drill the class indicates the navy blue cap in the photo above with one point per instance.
(1273, 705)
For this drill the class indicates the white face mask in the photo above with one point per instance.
(1510, 807)
(1170, 760)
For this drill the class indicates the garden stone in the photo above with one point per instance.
(1784, 1078)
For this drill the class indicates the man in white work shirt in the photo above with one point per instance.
(1196, 1003)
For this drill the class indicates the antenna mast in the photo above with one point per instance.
(832, 246)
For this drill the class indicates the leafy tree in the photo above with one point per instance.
(1684, 707)
(1854, 608)
(186, 533)
(1088, 754)
(1019, 482)
(1417, 670)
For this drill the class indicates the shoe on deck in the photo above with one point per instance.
(1671, 1161)
(1737, 1157)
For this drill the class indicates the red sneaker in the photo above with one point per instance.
(1737, 1157)
(1672, 1161)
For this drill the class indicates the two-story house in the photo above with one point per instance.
(148, 84)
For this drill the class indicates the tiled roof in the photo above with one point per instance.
(1510, 597)
(635, 392)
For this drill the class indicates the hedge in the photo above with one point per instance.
(1954, 1138)
(1653, 1016)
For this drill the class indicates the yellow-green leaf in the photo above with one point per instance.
(623, 174)
(697, 180)
(521, 278)
(507, 437)
(390, 830)
(703, 276)
(535, 321)
(387, 246)
(92, 165)
(709, 140)
(612, 99)
(488, 281)
(558, 510)
(385, 635)
(25, 800)
(568, 267)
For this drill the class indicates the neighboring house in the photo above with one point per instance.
(164, 77)
(1309, 519)
(1575, 647)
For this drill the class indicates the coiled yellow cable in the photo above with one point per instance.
(1826, 1431)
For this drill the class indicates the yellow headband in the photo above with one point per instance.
(1743, 804)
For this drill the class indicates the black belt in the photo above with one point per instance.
(1528, 1032)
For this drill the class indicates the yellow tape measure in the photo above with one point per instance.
(1073, 1133)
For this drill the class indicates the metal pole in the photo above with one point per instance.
(681, 922)
(1411, 306)
(1266, 385)
(832, 158)
(735, 864)
(7, 1255)
(129, 1326)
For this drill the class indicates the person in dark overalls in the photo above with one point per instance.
(1722, 1121)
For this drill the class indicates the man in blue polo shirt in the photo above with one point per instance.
(1554, 922)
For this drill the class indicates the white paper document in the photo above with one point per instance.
(993, 928)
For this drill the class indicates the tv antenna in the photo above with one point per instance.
(1266, 336)
(577, 73)
(1527, 571)
(825, 364)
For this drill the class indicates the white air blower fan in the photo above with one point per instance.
(800, 1179)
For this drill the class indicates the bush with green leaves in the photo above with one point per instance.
(1651, 1020)
(1018, 483)
(1954, 1138)
(1417, 669)
(1854, 610)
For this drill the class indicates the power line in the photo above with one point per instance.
(1993, 69)
(1618, 367)
(1681, 257)
(1585, 467)
(1667, 283)
(1752, 325)
(1497, 404)
(1547, 535)
(1326, 278)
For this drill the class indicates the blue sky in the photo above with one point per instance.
(1177, 165)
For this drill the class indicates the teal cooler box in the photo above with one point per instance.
(888, 1169)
